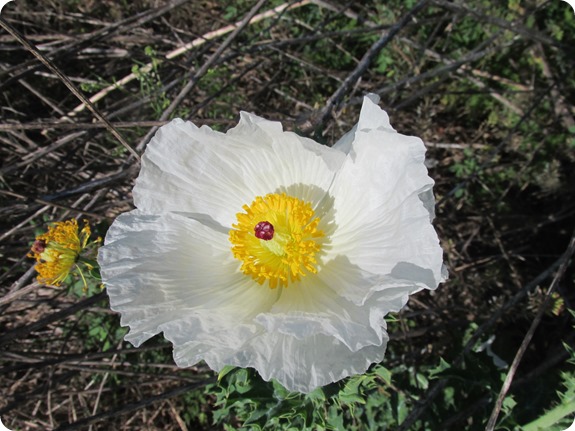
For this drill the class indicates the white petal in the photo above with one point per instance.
(163, 272)
(305, 315)
(388, 242)
(301, 365)
(190, 170)
(182, 158)
(428, 201)
(354, 283)
(371, 117)
(311, 307)
(380, 197)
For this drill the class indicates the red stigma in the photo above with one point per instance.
(39, 246)
(264, 230)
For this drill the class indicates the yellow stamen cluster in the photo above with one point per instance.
(292, 251)
(57, 251)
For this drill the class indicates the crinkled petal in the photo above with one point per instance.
(301, 365)
(192, 170)
(372, 117)
(311, 307)
(173, 274)
(358, 285)
(382, 208)
(296, 340)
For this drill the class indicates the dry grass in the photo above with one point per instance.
(504, 168)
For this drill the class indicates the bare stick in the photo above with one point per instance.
(190, 85)
(335, 99)
(437, 389)
(16, 290)
(50, 65)
(561, 107)
(24, 330)
(565, 260)
(53, 204)
(187, 47)
(43, 125)
(131, 407)
(83, 40)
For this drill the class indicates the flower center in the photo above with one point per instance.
(57, 250)
(264, 230)
(277, 239)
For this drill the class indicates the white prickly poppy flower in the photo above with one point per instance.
(260, 248)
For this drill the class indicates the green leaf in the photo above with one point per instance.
(351, 392)
(551, 418)
(437, 372)
(225, 371)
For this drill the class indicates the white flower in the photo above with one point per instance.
(260, 248)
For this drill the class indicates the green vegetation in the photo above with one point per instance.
(490, 88)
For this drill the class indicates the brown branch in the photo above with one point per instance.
(437, 388)
(46, 125)
(187, 47)
(565, 260)
(22, 331)
(50, 65)
(48, 202)
(132, 407)
(360, 69)
(135, 21)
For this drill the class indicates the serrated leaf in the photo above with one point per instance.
(351, 399)
(384, 373)
(225, 371)
(317, 395)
